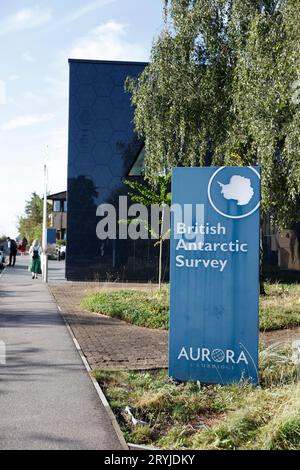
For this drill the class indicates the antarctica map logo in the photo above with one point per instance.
(234, 192)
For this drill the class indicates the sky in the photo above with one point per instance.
(36, 40)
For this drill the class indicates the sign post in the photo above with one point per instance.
(44, 241)
(215, 274)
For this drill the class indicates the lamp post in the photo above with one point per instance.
(44, 244)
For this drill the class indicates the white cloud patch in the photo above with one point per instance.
(3, 97)
(28, 57)
(13, 78)
(26, 18)
(26, 121)
(108, 41)
(34, 97)
(90, 7)
(58, 88)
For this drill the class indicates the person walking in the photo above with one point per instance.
(23, 246)
(12, 246)
(35, 252)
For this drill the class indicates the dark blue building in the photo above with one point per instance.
(104, 150)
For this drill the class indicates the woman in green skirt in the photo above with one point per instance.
(35, 252)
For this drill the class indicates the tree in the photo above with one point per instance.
(219, 84)
(161, 198)
(31, 225)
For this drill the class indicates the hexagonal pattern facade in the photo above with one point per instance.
(102, 148)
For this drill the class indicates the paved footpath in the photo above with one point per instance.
(47, 399)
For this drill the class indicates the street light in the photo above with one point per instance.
(44, 243)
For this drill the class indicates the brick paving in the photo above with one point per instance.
(109, 343)
(280, 336)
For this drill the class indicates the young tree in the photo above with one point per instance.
(161, 197)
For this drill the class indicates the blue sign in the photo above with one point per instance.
(51, 236)
(215, 274)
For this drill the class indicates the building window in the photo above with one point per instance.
(138, 168)
(56, 206)
(65, 206)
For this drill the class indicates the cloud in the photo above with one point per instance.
(28, 57)
(58, 88)
(26, 18)
(85, 10)
(3, 97)
(34, 97)
(108, 41)
(26, 121)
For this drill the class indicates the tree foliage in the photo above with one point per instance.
(31, 224)
(143, 194)
(219, 90)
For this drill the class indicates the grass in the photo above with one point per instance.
(190, 415)
(281, 307)
(150, 308)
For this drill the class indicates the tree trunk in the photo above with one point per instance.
(160, 264)
(261, 257)
(161, 249)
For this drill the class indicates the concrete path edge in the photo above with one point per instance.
(98, 389)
